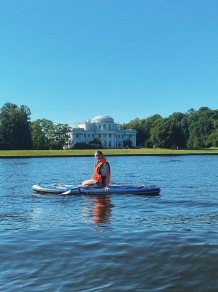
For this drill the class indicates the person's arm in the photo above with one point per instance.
(107, 173)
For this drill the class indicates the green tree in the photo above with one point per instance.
(61, 137)
(96, 144)
(212, 139)
(147, 128)
(200, 127)
(143, 128)
(137, 125)
(159, 134)
(127, 143)
(178, 130)
(82, 145)
(42, 132)
(170, 132)
(39, 139)
(47, 135)
(15, 127)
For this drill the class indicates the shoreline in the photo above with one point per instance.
(107, 155)
(106, 152)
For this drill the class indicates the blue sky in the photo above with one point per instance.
(71, 60)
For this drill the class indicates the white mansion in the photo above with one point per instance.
(103, 128)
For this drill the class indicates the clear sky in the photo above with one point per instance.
(71, 60)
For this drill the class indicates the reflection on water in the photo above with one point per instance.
(98, 208)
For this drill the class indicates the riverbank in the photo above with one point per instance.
(107, 152)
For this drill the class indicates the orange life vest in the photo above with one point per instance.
(97, 171)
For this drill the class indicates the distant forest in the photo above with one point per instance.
(194, 129)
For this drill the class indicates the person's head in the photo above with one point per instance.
(99, 155)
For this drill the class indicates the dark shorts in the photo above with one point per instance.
(100, 185)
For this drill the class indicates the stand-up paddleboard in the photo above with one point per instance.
(76, 190)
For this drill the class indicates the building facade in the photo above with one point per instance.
(103, 128)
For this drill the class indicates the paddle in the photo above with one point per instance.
(69, 191)
(77, 188)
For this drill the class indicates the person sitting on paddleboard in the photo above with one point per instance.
(102, 173)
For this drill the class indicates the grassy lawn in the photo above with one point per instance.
(141, 151)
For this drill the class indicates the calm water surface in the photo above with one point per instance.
(113, 242)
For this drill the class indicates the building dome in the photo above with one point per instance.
(102, 119)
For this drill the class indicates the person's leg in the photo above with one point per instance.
(89, 183)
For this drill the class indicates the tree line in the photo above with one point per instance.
(193, 129)
(17, 132)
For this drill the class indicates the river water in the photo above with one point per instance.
(114, 242)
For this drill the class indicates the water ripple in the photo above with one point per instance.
(112, 242)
